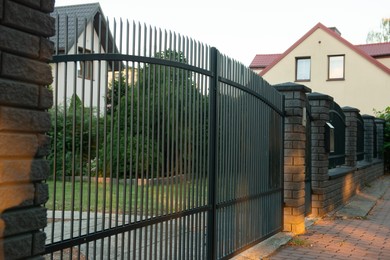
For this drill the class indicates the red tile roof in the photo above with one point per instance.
(364, 51)
(263, 60)
(376, 49)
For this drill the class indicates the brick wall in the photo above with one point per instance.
(334, 187)
(24, 99)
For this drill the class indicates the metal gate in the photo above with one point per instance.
(162, 147)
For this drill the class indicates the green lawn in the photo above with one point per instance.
(152, 199)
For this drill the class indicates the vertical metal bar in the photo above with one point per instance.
(159, 147)
(55, 141)
(153, 44)
(81, 131)
(97, 144)
(126, 178)
(119, 145)
(132, 197)
(64, 135)
(163, 146)
(211, 224)
(105, 139)
(88, 164)
(192, 151)
(205, 143)
(178, 160)
(170, 143)
(137, 144)
(73, 170)
(181, 198)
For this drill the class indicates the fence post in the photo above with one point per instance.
(351, 115)
(320, 105)
(24, 99)
(294, 155)
(368, 137)
(211, 226)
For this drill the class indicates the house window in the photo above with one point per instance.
(336, 68)
(302, 66)
(84, 68)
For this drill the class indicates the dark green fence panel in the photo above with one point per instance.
(162, 147)
(360, 139)
(337, 119)
(249, 159)
(375, 142)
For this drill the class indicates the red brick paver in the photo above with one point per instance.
(344, 238)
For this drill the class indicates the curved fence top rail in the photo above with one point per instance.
(336, 110)
(125, 44)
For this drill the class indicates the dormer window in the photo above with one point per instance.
(336, 67)
(302, 69)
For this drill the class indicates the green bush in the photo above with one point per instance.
(73, 133)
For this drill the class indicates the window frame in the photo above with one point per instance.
(296, 68)
(329, 68)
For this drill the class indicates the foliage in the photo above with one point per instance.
(383, 35)
(71, 136)
(144, 139)
(385, 114)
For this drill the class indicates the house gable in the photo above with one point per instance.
(334, 35)
(365, 83)
(83, 14)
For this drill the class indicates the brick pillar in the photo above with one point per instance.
(24, 99)
(368, 137)
(320, 105)
(294, 155)
(351, 117)
(380, 127)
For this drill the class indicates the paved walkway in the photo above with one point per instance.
(360, 230)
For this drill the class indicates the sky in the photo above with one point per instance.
(241, 29)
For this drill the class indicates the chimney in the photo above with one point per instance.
(335, 30)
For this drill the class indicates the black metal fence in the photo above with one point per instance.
(360, 138)
(162, 147)
(337, 138)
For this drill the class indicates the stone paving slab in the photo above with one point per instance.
(359, 230)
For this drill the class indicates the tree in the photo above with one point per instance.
(383, 35)
(152, 128)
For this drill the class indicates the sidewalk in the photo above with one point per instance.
(359, 230)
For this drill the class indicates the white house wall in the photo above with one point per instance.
(365, 87)
(87, 90)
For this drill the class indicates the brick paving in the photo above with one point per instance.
(340, 238)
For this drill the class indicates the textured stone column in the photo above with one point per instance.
(351, 117)
(320, 105)
(368, 137)
(24, 99)
(294, 155)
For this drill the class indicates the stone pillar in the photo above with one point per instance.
(351, 117)
(320, 105)
(294, 155)
(24, 99)
(368, 137)
(380, 127)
